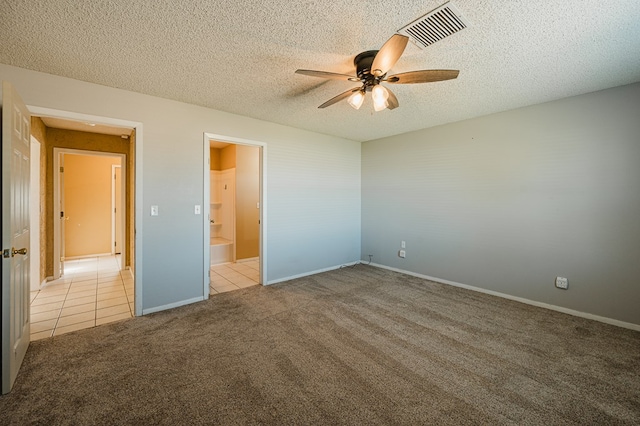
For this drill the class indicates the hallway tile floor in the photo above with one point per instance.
(234, 276)
(92, 291)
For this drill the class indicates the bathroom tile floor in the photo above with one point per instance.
(234, 276)
(92, 291)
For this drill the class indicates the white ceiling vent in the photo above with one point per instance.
(435, 25)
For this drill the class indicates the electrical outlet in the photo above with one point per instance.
(402, 254)
(562, 283)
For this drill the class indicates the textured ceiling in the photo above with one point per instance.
(241, 56)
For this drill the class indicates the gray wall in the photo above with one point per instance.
(509, 201)
(313, 184)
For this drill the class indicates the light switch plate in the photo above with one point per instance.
(154, 210)
(196, 209)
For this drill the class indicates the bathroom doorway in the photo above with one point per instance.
(233, 192)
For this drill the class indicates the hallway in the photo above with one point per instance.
(93, 291)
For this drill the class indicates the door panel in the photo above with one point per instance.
(16, 138)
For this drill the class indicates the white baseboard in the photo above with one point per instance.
(306, 274)
(586, 315)
(86, 256)
(172, 305)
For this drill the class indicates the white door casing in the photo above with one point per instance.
(263, 255)
(34, 215)
(117, 209)
(16, 138)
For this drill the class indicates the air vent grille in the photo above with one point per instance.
(435, 25)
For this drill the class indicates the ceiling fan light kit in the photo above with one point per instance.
(356, 99)
(372, 66)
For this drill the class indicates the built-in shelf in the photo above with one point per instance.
(218, 241)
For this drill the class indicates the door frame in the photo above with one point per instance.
(207, 138)
(58, 194)
(35, 215)
(123, 209)
(138, 175)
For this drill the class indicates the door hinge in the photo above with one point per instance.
(6, 253)
(61, 169)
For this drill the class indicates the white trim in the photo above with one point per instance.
(568, 311)
(207, 195)
(317, 271)
(138, 126)
(172, 305)
(56, 216)
(206, 212)
(35, 212)
(123, 209)
(86, 256)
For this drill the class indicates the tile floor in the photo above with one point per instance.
(91, 292)
(234, 276)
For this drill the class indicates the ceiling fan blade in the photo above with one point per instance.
(329, 75)
(423, 76)
(392, 101)
(340, 97)
(389, 54)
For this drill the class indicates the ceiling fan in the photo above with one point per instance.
(372, 67)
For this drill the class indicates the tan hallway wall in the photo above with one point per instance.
(88, 205)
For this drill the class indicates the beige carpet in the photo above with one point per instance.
(359, 345)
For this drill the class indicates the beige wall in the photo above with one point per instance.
(228, 157)
(247, 198)
(57, 138)
(214, 159)
(87, 204)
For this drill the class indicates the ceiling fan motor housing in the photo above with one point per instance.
(363, 62)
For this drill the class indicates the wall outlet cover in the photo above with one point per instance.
(562, 283)
(402, 254)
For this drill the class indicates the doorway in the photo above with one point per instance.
(234, 226)
(90, 196)
(97, 284)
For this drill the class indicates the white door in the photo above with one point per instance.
(16, 136)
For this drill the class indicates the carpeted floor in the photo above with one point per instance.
(359, 345)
